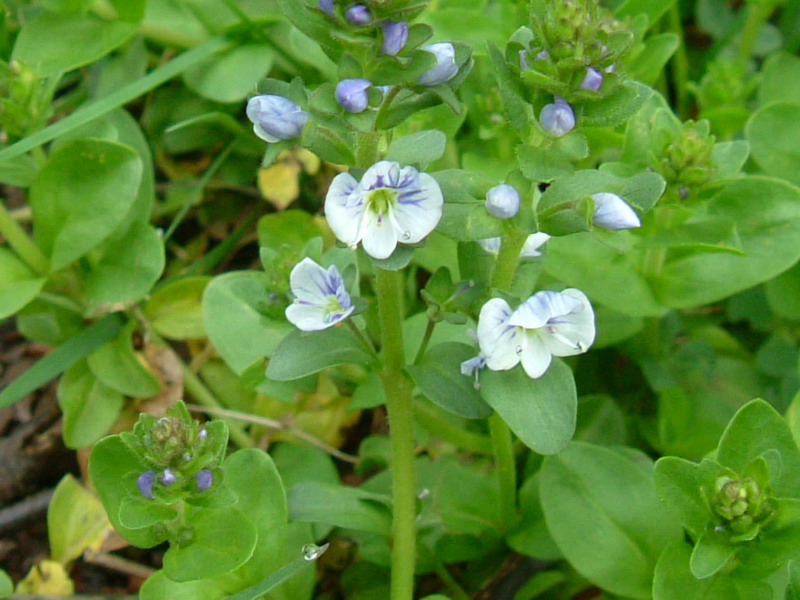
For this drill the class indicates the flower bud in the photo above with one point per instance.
(145, 483)
(326, 6)
(395, 36)
(351, 94)
(557, 118)
(204, 479)
(592, 81)
(612, 212)
(276, 118)
(358, 14)
(502, 201)
(168, 477)
(445, 68)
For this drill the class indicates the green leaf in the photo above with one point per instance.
(466, 222)
(655, 53)
(240, 332)
(603, 513)
(439, 377)
(273, 581)
(774, 136)
(340, 506)
(158, 587)
(230, 75)
(222, 540)
(175, 310)
(531, 537)
(117, 366)
(621, 104)
(653, 10)
(783, 293)
(680, 484)
(140, 513)
(421, 148)
(52, 43)
(76, 521)
(757, 428)
(301, 353)
(540, 164)
(793, 589)
(73, 215)
(90, 407)
(467, 501)
(710, 554)
(18, 283)
(289, 228)
(541, 412)
(518, 111)
(780, 79)
(6, 585)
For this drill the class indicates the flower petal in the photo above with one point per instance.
(311, 284)
(535, 355)
(537, 310)
(572, 333)
(532, 244)
(418, 209)
(499, 341)
(491, 244)
(259, 131)
(308, 317)
(344, 209)
(382, 174)
(379, 235)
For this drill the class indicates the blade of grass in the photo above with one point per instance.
(67, 354)
(266, 585)
(116, 99)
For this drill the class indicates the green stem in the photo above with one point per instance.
(680, 62)
(401, 419)
(367, 149)
(450, 432)
(23, 245)
(507, 260)
(426, 338)
(455, 589)
(362, 337)
(756, 16)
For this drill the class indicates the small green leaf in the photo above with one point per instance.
(18, 283)
(159, 587)
(230, 75)
(76, 521)
(680, 485)
(340, 506)
(117, 366)
(774, 136)
(301, 354)
(710, 554)
(6, 585)
(140, 513)
(176, 309)
(421, 148)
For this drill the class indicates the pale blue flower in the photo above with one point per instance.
(547, 324)
(530, 249)
(557, 118)
(168, 477)
(326, 6)
(276, 118)
(612, 212)
(592, 80)
(389, 205)
(472, 368)
(444, 69)
(351, 94)
(321, 299)
(204, 479)
(145, 482)
(395, 36)
(358, 14)
(502, 201)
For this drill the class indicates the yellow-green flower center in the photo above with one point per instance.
(380, 200)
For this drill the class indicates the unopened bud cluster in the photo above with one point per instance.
(742, 504)
(686, 160)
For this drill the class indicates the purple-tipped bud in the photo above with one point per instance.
(395, 36)
(557, 118)
(592, 81)
(326, 6)
(352, 95)
(473, 365)
(543, 55)
(168, 477)
(445, 68)
(276, 118)
(502, 201)
(145, 484)
(358, 14)
(204, 478)
(612, 212)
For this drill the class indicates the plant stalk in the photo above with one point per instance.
(19, 241)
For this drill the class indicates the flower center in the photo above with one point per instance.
(379, 201)
(333, 308)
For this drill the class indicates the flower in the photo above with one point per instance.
(351, 94)
(276, 118)
(388, 206)
(472, 368)
(145, 483)
(358, 14)
(445, 67)
(530, 248)
(502, 201)
(321, 299)
(592, 80)
(547, 324)
(204, 479)
(168, 477)
(557, 118)
(326, 6)
(612, 212)
(395, 36)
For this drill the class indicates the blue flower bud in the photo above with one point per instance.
(205, 479)
(202, 434)
(557, 118)
(358, 14)
(612, 212)
(168, 477)
(145, 484)
(502, 201)
(276, 118)
(395, 36)
(351, 94)
(445, 68)
(592, 81)
(326, 6)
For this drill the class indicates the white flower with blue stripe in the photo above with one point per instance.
(321, 299)
(390, 205)
(547, 324)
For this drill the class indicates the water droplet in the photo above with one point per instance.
(313, 552)
(406, 235)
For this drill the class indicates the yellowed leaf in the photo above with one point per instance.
(279, 183)
(309, 160)
(76, 521)
(47, 577)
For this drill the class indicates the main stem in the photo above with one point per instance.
(503, 277)
(401, 423)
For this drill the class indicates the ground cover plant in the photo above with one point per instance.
(403, 298)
